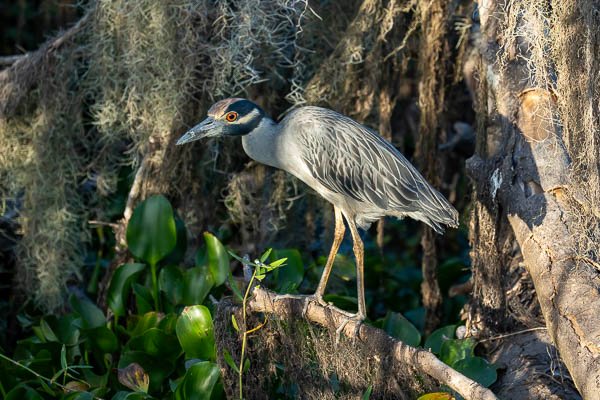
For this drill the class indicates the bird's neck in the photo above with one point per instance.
(262, 143)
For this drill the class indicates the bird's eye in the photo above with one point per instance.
(231, 116)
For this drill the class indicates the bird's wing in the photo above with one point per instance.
(348, 158)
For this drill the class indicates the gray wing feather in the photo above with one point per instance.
(351, 159)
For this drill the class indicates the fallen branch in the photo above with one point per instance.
(331, 318)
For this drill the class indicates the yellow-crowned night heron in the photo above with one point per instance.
(354, 168)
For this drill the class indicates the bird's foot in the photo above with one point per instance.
(358, 320)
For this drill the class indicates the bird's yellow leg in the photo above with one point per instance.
(359, 254)
(338, 237)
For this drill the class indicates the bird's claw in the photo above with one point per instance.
(357, 318)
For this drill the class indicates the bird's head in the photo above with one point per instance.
(229, 117)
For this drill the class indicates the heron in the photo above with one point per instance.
(364, 176)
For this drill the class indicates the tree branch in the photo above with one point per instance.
(330, 317)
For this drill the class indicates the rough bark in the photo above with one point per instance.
(524, 170)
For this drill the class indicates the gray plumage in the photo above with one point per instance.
(349, 165)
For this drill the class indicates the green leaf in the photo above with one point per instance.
(265, 255)
(170, 281)
(218, 259)
(400, 328)
(177, 255)
(23, 392)
(157, 343)
(290, 275)
(436, 396)
(367, 394)
(151, 232)
(234, 323)
(91, 316)
(134, 377)
(439, 336)
(143, 298)
(230, 362)
(197, 283)
(103, 339)
(195, 332)
(199, 382)
(119, 286)
(122, 395)
(457, 349)
(478, 369)
(47, 331)
(137, 325)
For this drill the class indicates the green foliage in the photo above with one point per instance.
(195, 333)
(400, 328)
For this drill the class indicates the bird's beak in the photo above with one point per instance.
(207, 128)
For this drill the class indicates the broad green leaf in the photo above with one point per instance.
(197, 283)
(290, 275)
(170, 282)
(402, 329)
(436, 396)
(199, 383)
(230, 362)
(134, 377)
(103, 339)
(143, 298)
(120, 283)
(177, 255)
(47, 331)
(155, 342)
(218, 259)
(66, 331)
(23, 392)
(91, 316)
(138, 324)
(151, 232)
(477, 369)
(195, 332)
(439, 336)
(457, 349)
(81, 395)
(122, 395)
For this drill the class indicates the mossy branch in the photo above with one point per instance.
(330, 317)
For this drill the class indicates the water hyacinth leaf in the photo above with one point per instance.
(439, 336)
(143, 298)
(91, 316)
(170, 282)
(120, 283)
(103, 339)
(290, 275)
(23, 392)
(178, 253)
(197, 283)
(397, 326)
(218, 259)
(456, 349)
(157, 343)
(199, 382)
(151, 232)
(134, 377)
(195, 332)
(137, 325)
(478, 369)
